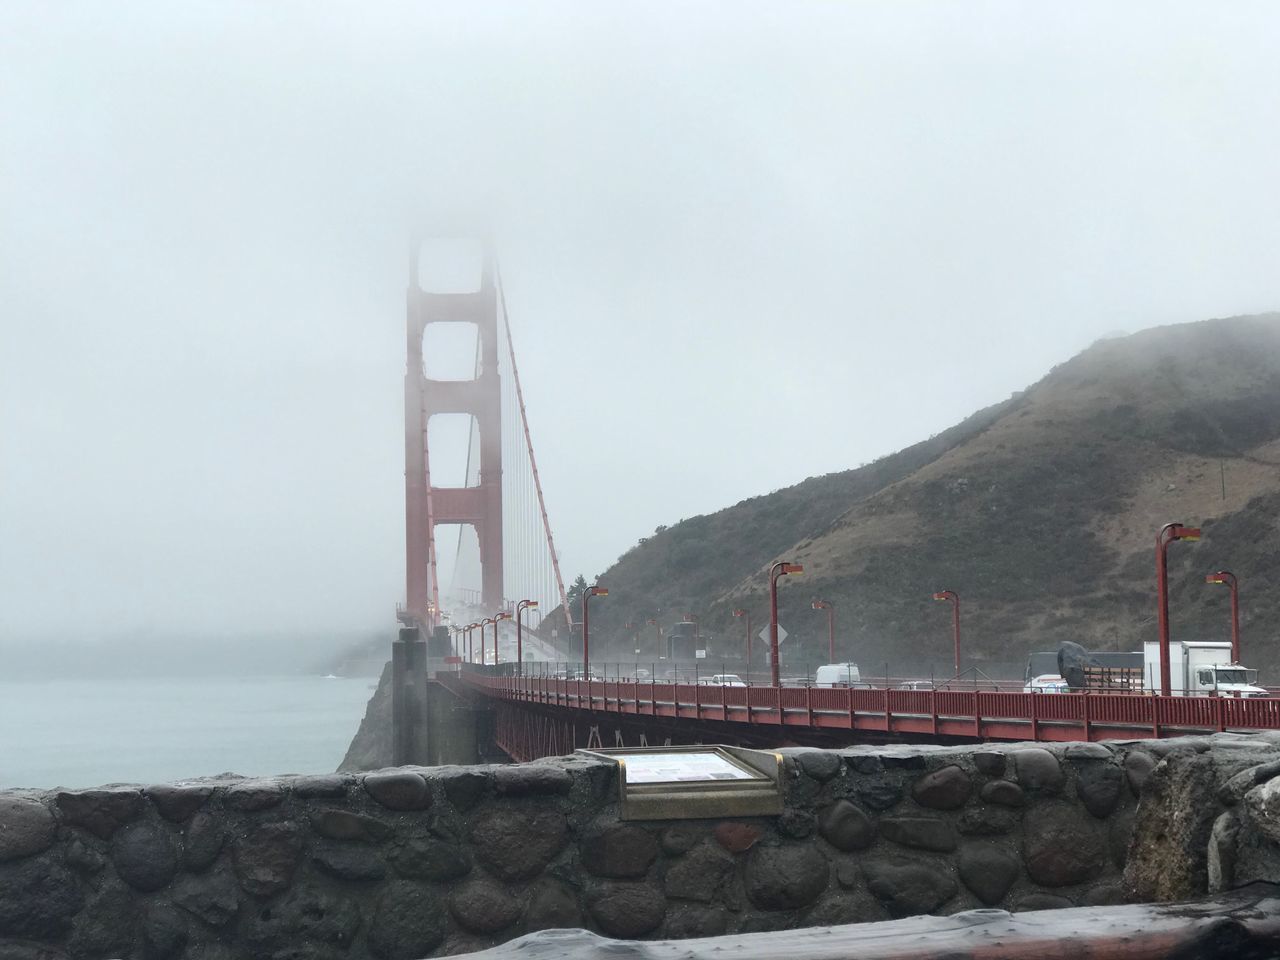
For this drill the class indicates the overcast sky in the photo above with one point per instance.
(743, 244)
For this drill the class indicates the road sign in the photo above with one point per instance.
(782, 634)
(700, 654)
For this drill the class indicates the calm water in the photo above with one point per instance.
(81, 733)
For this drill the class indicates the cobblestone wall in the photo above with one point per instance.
(415, 862)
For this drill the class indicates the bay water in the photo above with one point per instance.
(85, 733)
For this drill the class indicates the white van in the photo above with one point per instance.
(836, 675)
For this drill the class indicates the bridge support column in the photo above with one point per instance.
(409, 739)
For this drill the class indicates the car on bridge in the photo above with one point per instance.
(722, 680)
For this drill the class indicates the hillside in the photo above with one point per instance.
(1041, 512)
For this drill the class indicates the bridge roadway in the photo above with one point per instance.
(542, 722)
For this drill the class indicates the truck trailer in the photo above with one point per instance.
(1199, 668)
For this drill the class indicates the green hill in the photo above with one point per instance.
(1041, 512)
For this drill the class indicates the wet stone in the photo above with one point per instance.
(266, 859)
(1223, 841)
(423, 858)
(1103, 895)
(737, 837)
(164, 933)
(866, 764)
(326, 786)
(464, 788)
(796, 824)
(1004, 792)
(107, 926)
(620, 851)
(213, 898)
(1137, 767)
(1262, 809)
(846, 827)
(408, 921)
(783, 878)
(27, 826)
(821, 765)
(305, 916)
(1077, 752)
(531, 779)
(348, 862)
(902, 761)
(1042, 901)
(879, 794)
(552, 906)
(482, 906)
(204, 838)
(84, 858)
(344, 825)
(1060, 846)
(1038, 770)
(990, 763)
(177, 802)
(252, 795)
(686, 921)
(627, 910)
(988, 871)
(944, 789)
(847, 874)
(986, 821)
(38, 899)
(101, 812)
(907, 888)
(923, 833)
(517, 843)
(1098, 786)
(398, 790)
(680, 838)
(144, 856)
(699, 874)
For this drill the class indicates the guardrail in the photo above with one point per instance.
(970, 714)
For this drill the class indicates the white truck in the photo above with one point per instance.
(837, 675)
(1199, 668)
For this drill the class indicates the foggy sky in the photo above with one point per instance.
(743, 244)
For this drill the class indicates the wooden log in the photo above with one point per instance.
(1241, 925)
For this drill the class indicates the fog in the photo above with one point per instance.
(742, 244)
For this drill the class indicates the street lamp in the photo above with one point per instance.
(743, 613)
(522, 606)
(781, 568)
(1168, 533)
(955, 621)
(657, 636)
(587, 594)
(470, 648)
(1229, 578)
(831, 627)
(484, 623)
(496, 618)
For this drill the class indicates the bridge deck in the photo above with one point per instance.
(927, 713)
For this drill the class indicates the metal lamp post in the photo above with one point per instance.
(955, 622)
(522, 606)
(497, 617)
(1167, 535)
(484, 623)
(780, 568)
(594, 591)
(1229, 578)
(831, 627)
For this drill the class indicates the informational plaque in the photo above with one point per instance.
(682, 783)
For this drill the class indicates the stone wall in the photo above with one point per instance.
(415, 862)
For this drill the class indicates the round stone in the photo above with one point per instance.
(251, 795)
(344, 825)
(879, 794)
(783, 878)
(988, 871)
(945, 789)
(531, 779)
(423, 858)
(323, 785)
(687, 921)
(1087, 751)
(680, 838)
(796, 824)
(822, 765)
(1004, 792)
(699, 874)
(986, 821)
(620, 851)
(26, 827)
(267, 857)
(627, 910)
(398, 790)
(1262, 809)
(1138, 765)
(1043, 901)
(737, 837)
(204, 837)
(38, 899)
(101, 812)
(923, 833)
(990, 762)
(1061, 847)
(846, 827)
(408, 921)
(177, 802)
(463, 786)
(517, 843)
(144, 856)
(907, 888)
(552, 906)
(213, 897)
(348, 861)
(1038, 770)
(482, 906)
(1098, 786)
